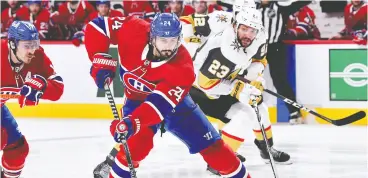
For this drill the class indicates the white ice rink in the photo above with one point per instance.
(72, 148)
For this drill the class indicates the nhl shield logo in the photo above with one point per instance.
(271, 13)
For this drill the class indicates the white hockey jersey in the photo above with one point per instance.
(220, 59)
(219, 20)
(197, 28)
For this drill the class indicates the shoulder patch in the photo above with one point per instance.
(99, 24)
(222, 18)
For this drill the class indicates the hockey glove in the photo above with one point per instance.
(32, 91)
(121, 128)
(259, 84)
(78, 38)
(103, 69)
(245, 92)
(360, 37)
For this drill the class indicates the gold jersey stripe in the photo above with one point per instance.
(263, 61)
(207, 83)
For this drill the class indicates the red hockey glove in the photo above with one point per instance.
(360, 37)
(120, 129)
(32, 91)
(78, 38)
(103, 69)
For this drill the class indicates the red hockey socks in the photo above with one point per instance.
(220, 157)
(14, 156)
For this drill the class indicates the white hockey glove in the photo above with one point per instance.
(259, 83)
(245, 92)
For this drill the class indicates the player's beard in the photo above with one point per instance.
(163, 55)
(166, 53)
(245, 41)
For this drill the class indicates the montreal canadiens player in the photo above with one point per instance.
(194, 35)
(241, 47)
(27, 74)
(152, 64)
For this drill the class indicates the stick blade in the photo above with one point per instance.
(350, 119)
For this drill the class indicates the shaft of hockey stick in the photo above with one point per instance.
(273, 165)
(338, 122)
(124, 141)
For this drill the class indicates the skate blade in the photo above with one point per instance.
(212, 173)
(267, 161)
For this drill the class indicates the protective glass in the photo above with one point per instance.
(249, 31)
(165, 43)
(29, 45)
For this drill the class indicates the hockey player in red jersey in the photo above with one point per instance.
(140, 9)
(152, 64)
(37, 15)
(355, 18)
(72, 15)
(8, 15)
(27, 74)
(301, 25)
(103, 10)
(202, 7)
(179, 8)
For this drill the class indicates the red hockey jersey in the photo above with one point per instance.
(75, 18)
(187, 10)
(140, 9)
(214, 7)
(7, 17)
(355, 19)
(159, 85)
(12, 78)
(41, 21)
(302, 23)
(113, 13)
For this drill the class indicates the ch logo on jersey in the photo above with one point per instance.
(137, 84)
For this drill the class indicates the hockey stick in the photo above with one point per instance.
(273, 166)
(338, 122)
(124, 141)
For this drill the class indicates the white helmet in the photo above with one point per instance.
(239, 5)
(250, 17)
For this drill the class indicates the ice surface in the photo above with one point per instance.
(69, 148)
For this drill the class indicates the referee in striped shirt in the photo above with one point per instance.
(275, 15)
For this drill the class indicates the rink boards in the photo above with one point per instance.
(313, 73)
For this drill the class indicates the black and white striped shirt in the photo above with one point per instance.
(275, 16)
